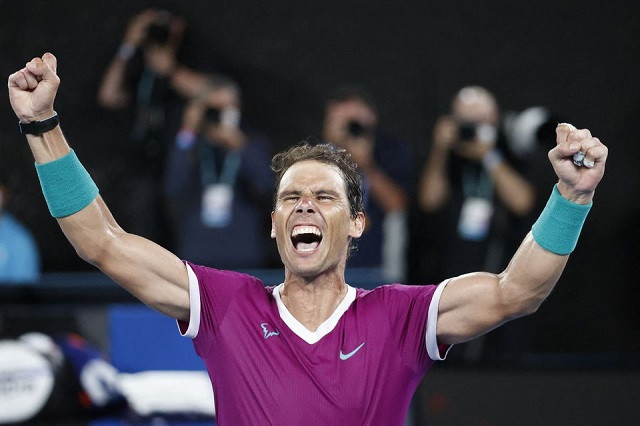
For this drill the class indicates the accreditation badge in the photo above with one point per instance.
(217, 201)
(475, 218)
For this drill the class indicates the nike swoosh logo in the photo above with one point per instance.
(345, 357)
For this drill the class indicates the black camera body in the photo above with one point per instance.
(158, 31)
(469, 131)
(356, 129)
(213, 116)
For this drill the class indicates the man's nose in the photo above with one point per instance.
(305, 205)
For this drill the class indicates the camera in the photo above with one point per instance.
(227, 117)
(356, 129)
(158, 31)
(470, 131)
(212, 116)
(466, 131)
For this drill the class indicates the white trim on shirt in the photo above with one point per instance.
(325, 328)
(432, 322)
(194, 305)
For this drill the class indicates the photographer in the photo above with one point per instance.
(218, 182)
(467, 176)
(351, 122)
(146, 83)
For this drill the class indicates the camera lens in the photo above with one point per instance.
(212, 115)
(466, 131)
(356, 129)
(158, 31)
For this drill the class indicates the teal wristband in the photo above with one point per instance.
(66, 185)
(559, 225)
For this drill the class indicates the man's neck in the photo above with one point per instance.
(312, 301)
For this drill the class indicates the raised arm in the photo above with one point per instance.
(113, 92)
(434, 188)
(474, 304)
(149, 272)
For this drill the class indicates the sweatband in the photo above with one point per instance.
(185, 139)
(559, 225)
(492, 159)
(66, 185)
(126, 51)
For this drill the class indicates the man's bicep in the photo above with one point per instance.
(470, 306)
(151, 273)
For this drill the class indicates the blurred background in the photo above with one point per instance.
(578, 59)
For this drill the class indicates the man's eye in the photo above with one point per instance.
(324, 197)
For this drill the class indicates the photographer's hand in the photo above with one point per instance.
(445, 133)
(192, 116)
(361, 150)
(228, 137)
(474, 150)
(137, 30)
(161, 58)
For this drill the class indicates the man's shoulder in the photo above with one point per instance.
(395, 290)
(206, 275)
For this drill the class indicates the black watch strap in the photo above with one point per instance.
(39, 127)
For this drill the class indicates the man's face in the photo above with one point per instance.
(311, 222)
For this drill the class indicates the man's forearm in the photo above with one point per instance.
(49, 146)
(530, 277)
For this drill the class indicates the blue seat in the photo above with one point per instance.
(142, 339)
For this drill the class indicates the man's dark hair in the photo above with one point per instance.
(325, 153)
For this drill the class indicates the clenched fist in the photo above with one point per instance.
(33, 89)
(577, 183)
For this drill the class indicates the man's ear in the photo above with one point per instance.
(273, 228)
(357, 225)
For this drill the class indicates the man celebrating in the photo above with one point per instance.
(312, 350)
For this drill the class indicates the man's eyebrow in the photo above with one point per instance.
(288, 192)
(321, 191)
(327, 192)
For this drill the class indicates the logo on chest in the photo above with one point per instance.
(267, 332)
(344, 357)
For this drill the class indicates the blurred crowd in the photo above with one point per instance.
(198, 179)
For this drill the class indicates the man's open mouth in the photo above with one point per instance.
(306, 237)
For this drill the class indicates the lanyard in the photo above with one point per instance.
(476, 182)
(145, 87)
(208, 170)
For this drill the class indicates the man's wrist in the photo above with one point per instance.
(573, 195)
(39, 125)
(560, 223)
